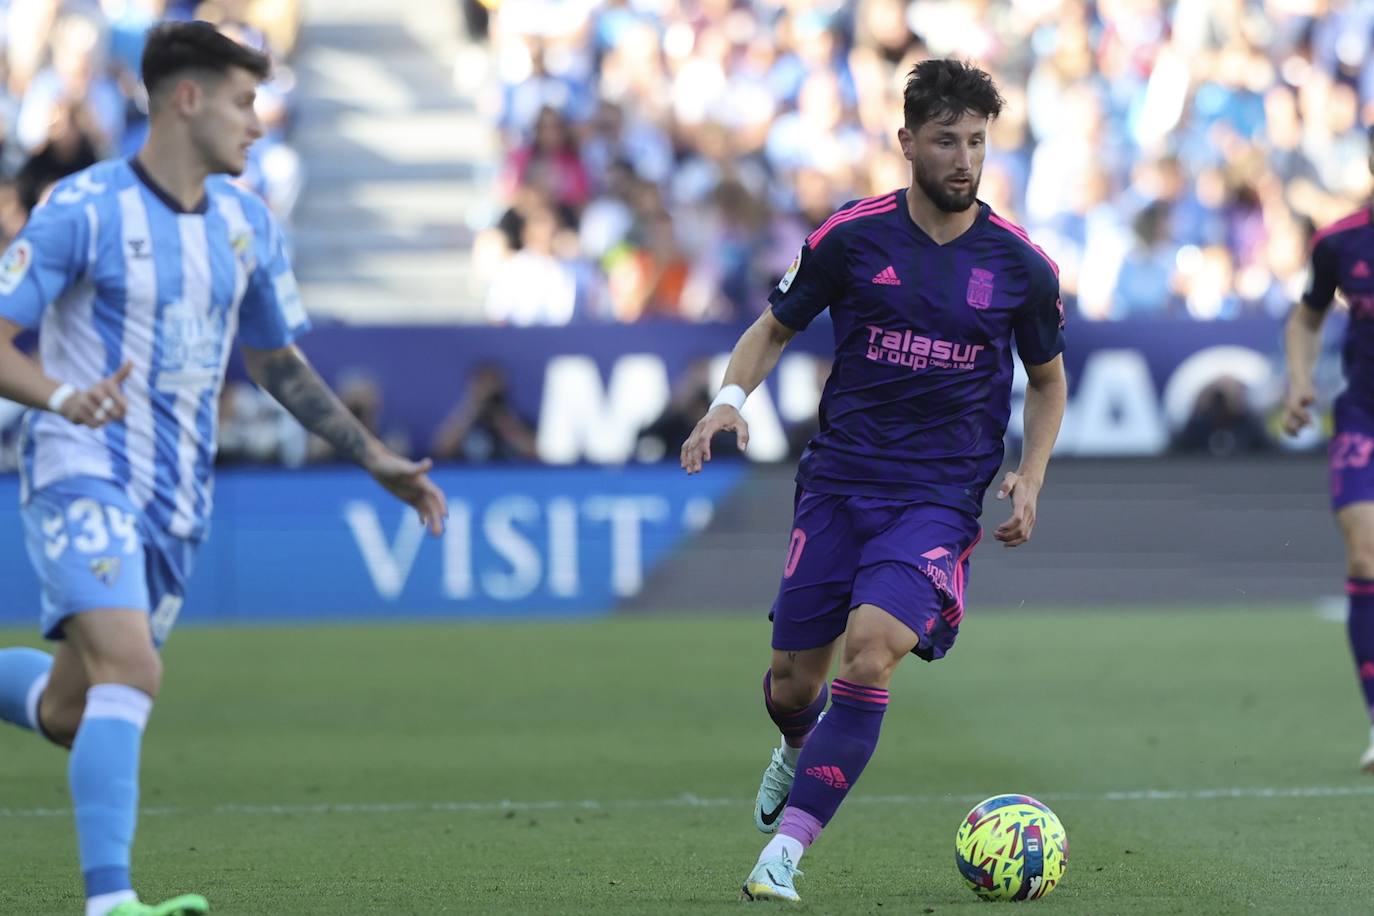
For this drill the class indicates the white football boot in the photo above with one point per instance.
(773, 879)
(773, 791)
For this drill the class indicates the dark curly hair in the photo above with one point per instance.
(176, 49)
(945, 90)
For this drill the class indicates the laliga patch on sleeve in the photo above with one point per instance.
(14, 265)
(786, 282)
(289, 299)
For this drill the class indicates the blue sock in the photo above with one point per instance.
(23, 676)
(104, 783)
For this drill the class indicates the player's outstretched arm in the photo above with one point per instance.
(23, 380)
(1046, 395)
(1302, 341)
(755, 354)
(287, 375)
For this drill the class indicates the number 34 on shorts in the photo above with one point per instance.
(93, 550)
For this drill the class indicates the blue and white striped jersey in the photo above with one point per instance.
(110, 270)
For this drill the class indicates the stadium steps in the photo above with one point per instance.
(1110, 533)
(396, 160)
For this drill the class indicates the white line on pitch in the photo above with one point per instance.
(696, 801)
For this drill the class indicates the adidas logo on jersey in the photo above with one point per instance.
(887, 277)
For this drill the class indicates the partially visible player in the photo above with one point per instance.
(1343, 258)
(139, 273)
(926, 288)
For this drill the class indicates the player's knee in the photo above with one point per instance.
(60, 716)
(791, 688)
(870, 664)
(139, 668)
(1361, 560)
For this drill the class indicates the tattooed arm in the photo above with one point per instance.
(287, 375)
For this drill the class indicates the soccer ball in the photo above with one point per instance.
(1011, 847)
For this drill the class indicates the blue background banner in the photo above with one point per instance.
(588, 390)
(301, 545)
(423, 370)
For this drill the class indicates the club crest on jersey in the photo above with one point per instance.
(14, 265)
(242, 243)
(980, 288)
(106, 569)
(786, 282)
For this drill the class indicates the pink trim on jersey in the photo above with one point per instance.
(1025, 237)
(869, 206)
(1353, 221)
(1354, 587)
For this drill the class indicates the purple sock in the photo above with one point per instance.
(1360, 628)
(833, 758)
(795, 726)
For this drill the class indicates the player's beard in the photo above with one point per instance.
(944, 199)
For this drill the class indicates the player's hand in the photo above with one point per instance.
(697, 449)
(1024, 491)
(409, 482)
(1296, 408)
(102, 403)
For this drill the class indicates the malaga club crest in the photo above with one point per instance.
(106, 569)
(980, 288)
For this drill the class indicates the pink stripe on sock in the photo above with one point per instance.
(839, 690)
(863, 688)
(800, 826)
(1359, 587)
(875, 691)
(870, 207)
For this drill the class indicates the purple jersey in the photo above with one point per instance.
(1343, 257)
(918, 399)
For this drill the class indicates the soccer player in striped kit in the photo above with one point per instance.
(139, 273)
(926, 288)
(1343, 258)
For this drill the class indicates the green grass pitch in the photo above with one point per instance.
(1203, 762)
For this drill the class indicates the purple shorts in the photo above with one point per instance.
(908, 558)
(1349, 455)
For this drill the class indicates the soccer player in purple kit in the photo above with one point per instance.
(926, 287)
(1343, 258)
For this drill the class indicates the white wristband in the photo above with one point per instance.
(60, 396)
(733, 395)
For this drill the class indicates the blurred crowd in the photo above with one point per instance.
(70, 93)
(666, 158)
